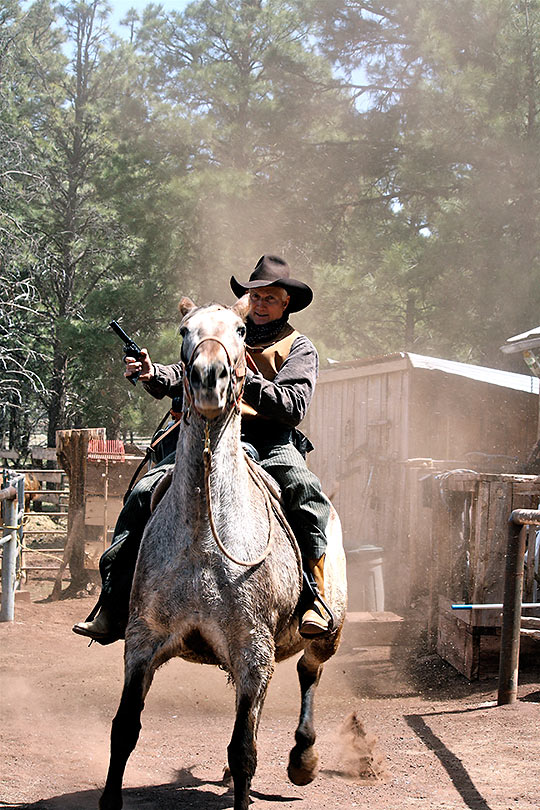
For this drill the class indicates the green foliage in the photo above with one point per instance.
(446, 260)
(263, 115)
(388, 150)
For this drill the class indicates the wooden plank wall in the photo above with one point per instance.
(356, 424)
(356, 427)
(372, 426)
(452, 417)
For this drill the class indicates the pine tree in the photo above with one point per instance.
(446, 260)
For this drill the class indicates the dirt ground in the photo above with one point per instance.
(396, 729)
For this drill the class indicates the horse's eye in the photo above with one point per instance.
(241, 331)
(183, 330)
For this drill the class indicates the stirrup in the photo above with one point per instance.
(310, 619)
(311, 585)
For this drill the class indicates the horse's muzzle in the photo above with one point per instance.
(209, 383)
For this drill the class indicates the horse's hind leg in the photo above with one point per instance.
(242, 749)
(303, 758)
(125, 730)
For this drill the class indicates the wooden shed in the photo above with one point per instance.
(382, 426)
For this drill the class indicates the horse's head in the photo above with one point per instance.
(213, 356)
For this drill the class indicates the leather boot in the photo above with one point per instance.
(100, 628)
(316, 621)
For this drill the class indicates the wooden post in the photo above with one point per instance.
(513, 595)
(71, 451)
(9, 554)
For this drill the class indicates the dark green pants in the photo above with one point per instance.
(306, 507)
(117, 563)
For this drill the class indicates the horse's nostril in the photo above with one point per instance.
(206, 373)
(195, 376)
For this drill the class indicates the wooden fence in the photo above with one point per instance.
(469, 539)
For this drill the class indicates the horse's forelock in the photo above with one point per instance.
(209, 308)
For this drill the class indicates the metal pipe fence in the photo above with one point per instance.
(512, 602)
(12, 500)
(28, 530)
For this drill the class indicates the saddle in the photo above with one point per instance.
(309, 589)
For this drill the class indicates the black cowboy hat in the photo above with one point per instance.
(272, 271)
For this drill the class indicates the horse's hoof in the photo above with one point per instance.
(110, 802)
(227, 779)
(304, 767)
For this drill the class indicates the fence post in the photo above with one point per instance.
(9, 554)
(513, 596)
(71, 451)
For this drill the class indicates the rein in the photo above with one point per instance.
(207, 458)
(236, 370)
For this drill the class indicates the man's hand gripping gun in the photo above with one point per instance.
(131, 349)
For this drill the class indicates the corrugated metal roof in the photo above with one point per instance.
(493, 376)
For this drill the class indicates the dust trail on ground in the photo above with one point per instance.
(359, 760)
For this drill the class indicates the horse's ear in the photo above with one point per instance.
(185, 306)
(242, 306)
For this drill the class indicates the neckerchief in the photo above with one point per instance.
(264, 332)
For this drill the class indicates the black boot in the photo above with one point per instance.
(101, 628)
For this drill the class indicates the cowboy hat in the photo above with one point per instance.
(272, 271)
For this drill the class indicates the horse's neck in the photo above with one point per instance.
(228, 466)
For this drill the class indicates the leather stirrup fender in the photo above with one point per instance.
(161, 488)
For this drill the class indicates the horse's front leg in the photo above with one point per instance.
(126, 727)
(303, 758)
(251, 686)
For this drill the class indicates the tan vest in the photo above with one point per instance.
(269, 358)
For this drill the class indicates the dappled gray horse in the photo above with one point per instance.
(218, 577)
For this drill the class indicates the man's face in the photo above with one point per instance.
(267, 304)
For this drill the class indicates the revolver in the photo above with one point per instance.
(131, 349)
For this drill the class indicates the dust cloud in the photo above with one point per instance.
(359, 761)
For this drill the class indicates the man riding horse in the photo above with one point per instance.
(280, 381)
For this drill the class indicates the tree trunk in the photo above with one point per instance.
(410, 321)
(58, 396)
(71, 451)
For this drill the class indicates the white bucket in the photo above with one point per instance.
(365, 579)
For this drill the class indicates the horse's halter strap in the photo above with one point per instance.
(236, 370)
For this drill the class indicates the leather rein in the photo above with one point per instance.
(237, 371)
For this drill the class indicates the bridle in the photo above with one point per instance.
(237, 373)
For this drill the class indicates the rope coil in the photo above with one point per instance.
(207, 457)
